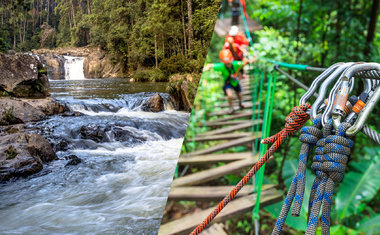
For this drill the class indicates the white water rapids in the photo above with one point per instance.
(128, 161)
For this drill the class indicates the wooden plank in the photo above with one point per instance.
(215, 229)
(223, 146)
(213, 158)
(210, 193)
(213, 173)
(225, 123)
(243, 114)
(235, 104)
(225, 111)
(242, 126)
(244, 98)
(236, 207)
(230, 136)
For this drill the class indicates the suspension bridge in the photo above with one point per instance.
(223, 132)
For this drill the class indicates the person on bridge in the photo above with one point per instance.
(236, 42)
(229, 70)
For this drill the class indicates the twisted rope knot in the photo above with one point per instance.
(309, 137)
(332, 155)
(293, 122)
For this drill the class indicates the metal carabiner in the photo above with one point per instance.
(341, 98)
(323, 89)
(330, 103)
(363, 115)
(316, 82)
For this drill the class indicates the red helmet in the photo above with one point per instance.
(226, 56)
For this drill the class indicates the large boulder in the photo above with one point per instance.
(99, 65)
(22, 75)
(55, 65)
(154, 104)
(182, 90)
(23, 154)
(15, 110)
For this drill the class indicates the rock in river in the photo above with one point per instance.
(22, 75)
(15, 110)
(154, 104)
(23, 154)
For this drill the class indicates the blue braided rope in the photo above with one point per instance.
(309, 137)
(332, 155)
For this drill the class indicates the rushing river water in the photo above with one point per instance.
(128, 160)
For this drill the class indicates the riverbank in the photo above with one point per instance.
(24, 98)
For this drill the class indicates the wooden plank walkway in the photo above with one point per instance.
(224, 123)
(224, 146)
(230, 136)
(230, 131)
(244, 98)
(215, 229)
(225, 111)
(213, 158)
(213, 173)
(241, 114)
(209, 193)
(244, 125)
(236, 207)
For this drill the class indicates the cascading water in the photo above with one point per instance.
(128, 160)
(74, 68)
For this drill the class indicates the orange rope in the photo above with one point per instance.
(294, 121)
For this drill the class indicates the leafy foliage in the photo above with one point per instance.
(327, 33)
(141, 33)
(360, 185)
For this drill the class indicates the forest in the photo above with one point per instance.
(171, 36)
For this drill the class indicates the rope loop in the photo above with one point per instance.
(293, 122)
(329, 165)
(309, 137)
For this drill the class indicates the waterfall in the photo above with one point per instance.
(74, 68)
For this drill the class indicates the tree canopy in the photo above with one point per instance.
(139, 33)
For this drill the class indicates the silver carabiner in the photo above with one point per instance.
(364, 114)
(316, 82)
(323, 89)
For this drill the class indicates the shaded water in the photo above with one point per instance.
(128, 160)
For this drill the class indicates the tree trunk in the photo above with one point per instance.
(298, 30)
(73, 13)
(371, 26)
(155, 50)
(48, 11)
(14, 39)
(190, 26)
(184, 30)
(25, 26)
(88, 7)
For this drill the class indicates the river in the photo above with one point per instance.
(128, 160)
